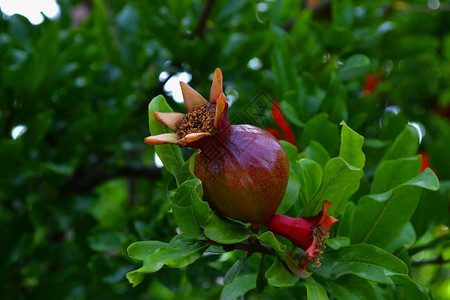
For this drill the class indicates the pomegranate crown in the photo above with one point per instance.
(203, 118)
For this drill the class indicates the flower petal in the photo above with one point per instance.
(191, 97)
(220, 108)
(217, 86)
(192, 137)
(168, 119)
(165, 138)
(325, 207)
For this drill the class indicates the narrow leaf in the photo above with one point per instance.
(235, 269)
(351, 147)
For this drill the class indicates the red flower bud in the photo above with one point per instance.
(308, 233)
(288, 133)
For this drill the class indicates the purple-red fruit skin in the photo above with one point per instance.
(244, 172)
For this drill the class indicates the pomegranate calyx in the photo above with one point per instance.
(309, 234)
(202, 119)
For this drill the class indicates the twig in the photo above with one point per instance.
(435, 261)
(252, 247)
(207, 10)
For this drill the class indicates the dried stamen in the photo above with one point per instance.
(200, 119)
(321, 234)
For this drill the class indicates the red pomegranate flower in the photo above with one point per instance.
(280, 120)
(309, 234)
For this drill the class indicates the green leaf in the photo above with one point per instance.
(405, 237)
(269, 238)
(408, 288)
(278, 276)
(290, 114)
(346, 222)
(321, 130)
(391, 173)
(356, 65)
(337, 243)
(363, 260)
(140, 250)
(293, 187)
(351, 147)
(261, 281)
(283, 66)
(189, 210)
(291, 194)
(405, 145)
(310, 178)
(169, 154)
(314, 289)
(342, 13)
(349, 287)
(181, 251)
(225, 231)
(310, 97)
(235, 269)
(379, 218)
(239, 287)
(317, 152)
(340, 181)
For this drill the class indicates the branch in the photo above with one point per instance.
(435, 261)
(252, 247)
(207, 10)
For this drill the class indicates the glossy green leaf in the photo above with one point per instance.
(169, 154)
(405, 237)
(349, 287)
(363, 260)
(235, 269)
(408, 288)
(140, 250)
(338, 242)
(317, 152)
(189, 210)
(391, 173)
(379, 218)
(321, 130)
(351, 147)
(278, 276)
(239, 287)
(340, 181)
(310, 178)
(314, 289)
(355, 65)
(346, 221)
(181, 251)
(405, 145)
(225, 231)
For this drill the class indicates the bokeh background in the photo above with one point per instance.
(77, 183)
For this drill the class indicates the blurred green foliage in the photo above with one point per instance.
(79, 185)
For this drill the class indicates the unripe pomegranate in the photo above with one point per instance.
(244, 169)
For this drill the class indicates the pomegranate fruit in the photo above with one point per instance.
(244, 169)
